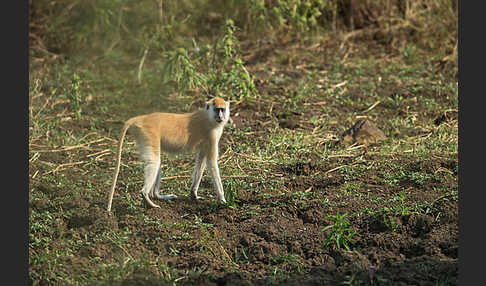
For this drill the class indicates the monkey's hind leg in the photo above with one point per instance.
(155, 192)
(150, 173)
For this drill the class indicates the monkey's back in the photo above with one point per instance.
(171, 132)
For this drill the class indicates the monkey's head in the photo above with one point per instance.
(218, 109)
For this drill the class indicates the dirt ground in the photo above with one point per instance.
(275, 234)
(284, 231)
(423, 248)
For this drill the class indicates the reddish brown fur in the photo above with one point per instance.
(219, 102)
(175, 133)
(181, 131)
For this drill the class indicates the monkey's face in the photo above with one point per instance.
(220, 114)
(219, 110)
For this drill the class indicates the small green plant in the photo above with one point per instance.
(75, 96)
(352, 280)
(180, 68)
(214, 70)
(232, 198)
(205, 242)
(389, 222)
(227, 73)
(251, 212)
(290, 260)
(257, 16)
(341, 232)
(301, 14)
(351, 187)
(242, 256)
(278, 274)
(401, 209)
(173, 251)
(408, 51)
(198, 223)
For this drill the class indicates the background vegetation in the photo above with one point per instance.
(298, 73)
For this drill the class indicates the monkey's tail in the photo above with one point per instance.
(118, 159)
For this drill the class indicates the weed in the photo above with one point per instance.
(227, 73)
(389, 222)
(352, 279)
(301, 14)
(402, 209)
(341, 232)
(173, 251)
(179, 67)
(205, 242)
(182, 236)
(443, 282)
(290, 260)
(224, 74)
(350, 188)
(408, 51)
(75, 96)
(232, 196)
(242, 255)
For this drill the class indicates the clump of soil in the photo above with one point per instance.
(363, 132)
(94, 220)
(446, 117)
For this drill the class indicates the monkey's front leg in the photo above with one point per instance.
(197, 174)
(216, 178)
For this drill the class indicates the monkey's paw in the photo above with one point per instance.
(167, 197)
(197, 198)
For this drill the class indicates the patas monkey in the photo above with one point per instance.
(197, 132)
